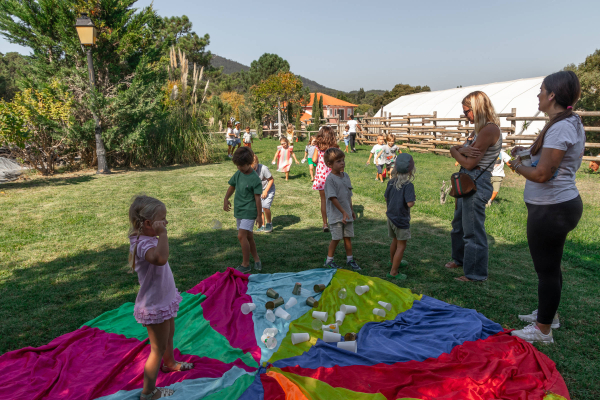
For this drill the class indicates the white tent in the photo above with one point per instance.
(520, 94)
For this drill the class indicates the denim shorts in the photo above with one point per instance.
(233, 142)
(266, 203)
(347, 142)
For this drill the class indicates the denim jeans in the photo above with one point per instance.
(469, 240)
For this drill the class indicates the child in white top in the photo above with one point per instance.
(230, 138)
(158, 299)
(248, 138)
(346, 137)
(378, 163)
(498, 174)
(309, 151)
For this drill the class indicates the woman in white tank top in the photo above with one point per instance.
(476, 157)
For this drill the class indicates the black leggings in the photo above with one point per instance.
(352, 140)
(547, 229)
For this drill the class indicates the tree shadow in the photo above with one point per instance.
(298, 176)
(359, 210)
(49, 181)
(284, 221)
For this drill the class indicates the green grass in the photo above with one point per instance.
(63, 248)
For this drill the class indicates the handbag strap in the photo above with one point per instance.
(482, 171)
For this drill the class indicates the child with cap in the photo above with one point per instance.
(400, 197)
(340, 214)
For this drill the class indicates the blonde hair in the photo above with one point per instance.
(399, 180)
(390, 138)
(483, 110)
(290, 128)
(143, 208)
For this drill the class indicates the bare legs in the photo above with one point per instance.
(246, 239)
(333, 244)
(287, 175)
(161, 348)
(396, 254)
(312, 173)
(266, 216)
(323, 208)
(229, 152)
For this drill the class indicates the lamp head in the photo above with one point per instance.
(86, 30)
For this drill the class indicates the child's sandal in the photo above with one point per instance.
(164, 392)
(183, 366)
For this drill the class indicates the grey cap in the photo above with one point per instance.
(404, 163)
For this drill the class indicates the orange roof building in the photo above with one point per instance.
(331, 107)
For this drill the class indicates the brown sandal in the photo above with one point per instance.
(452, 264)
(179, 366)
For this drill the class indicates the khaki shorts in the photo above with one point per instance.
(496, 181)
(339, 230)
(396, 233)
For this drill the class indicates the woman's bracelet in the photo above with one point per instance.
(517, 167)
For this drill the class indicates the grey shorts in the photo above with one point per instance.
(339, 230)
(396, 233)
(496, 181)
(266, 203)
(245, 224)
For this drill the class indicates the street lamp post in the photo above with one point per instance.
(87, 36)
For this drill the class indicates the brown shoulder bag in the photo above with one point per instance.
(463, 185)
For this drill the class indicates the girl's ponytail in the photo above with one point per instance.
(143, 208)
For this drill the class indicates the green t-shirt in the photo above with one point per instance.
(246, 186)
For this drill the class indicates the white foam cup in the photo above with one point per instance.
(247, 307)
(331, 337)
(379, 312)
(322, 315)
(339, 317)
(305, 292)
(291, 303)
(346, 309)
(350, 346)
(360, 290)
(385, 305)
(270, 316)
(300, 337)
(281, 313)
(331, 328)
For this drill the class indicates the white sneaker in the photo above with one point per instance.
(531, 333)
(533, 318)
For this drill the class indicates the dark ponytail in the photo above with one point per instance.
(567, 90)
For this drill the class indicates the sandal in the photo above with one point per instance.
(164, 392)
(452, 264)
(400, 276)
(183, 366)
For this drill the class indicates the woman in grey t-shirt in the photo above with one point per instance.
(554, 206)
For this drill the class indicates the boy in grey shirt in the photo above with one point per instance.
(338, 195)
(268, 193)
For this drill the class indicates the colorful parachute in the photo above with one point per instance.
(422, 349)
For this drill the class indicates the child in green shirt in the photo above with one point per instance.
(247, 207)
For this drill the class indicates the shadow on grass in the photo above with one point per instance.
(284, 221)
(48, 181)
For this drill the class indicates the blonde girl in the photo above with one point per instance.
(476, 157)
(158, 299)
(309, 151)
(285, 152)
(325, 139)
(290, 134)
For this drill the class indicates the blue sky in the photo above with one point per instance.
(375, 45)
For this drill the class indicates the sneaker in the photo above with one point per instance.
(533, 318)
(531, 333)
(258, 266)
(331, 264)
(244, 270)
(261, 229)
(353, 265)
(269, 228)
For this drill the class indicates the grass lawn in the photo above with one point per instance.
(63, 248)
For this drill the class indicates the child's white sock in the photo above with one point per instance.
(329, 259)
(349, 258)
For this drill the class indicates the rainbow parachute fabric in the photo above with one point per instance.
(422, 349)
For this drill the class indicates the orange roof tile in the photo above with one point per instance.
(305, 117)
(330, 101)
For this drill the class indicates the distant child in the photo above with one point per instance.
(230, 138)
(341, 216)
(400, 197)
(325, 139)
(237, 133)
(158, 299)
(388, 153)
(498, 175)
(285, 152)
(346, 137)
(309, 151)
(377, 161)
(247, 207)
(268, 193)
(290, 134)
(248, 138)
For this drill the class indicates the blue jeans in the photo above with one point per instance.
(469, 240)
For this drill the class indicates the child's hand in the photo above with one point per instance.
(368, 162)
(264, 195)
(259, 221)
(273, 162)
(456, 164)
(345, 217)
(160, 227)
(226, 205)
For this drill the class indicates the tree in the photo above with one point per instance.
(275, 91)
(398, 91)
(178, 31)
(342, 96)
(588, 73)
(236, 101)
(11, 68)
(321, 113)
(360, 96)
(267, 65)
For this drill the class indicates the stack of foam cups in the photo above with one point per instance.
(339, 317)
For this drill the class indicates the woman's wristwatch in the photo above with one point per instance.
(517, 167)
